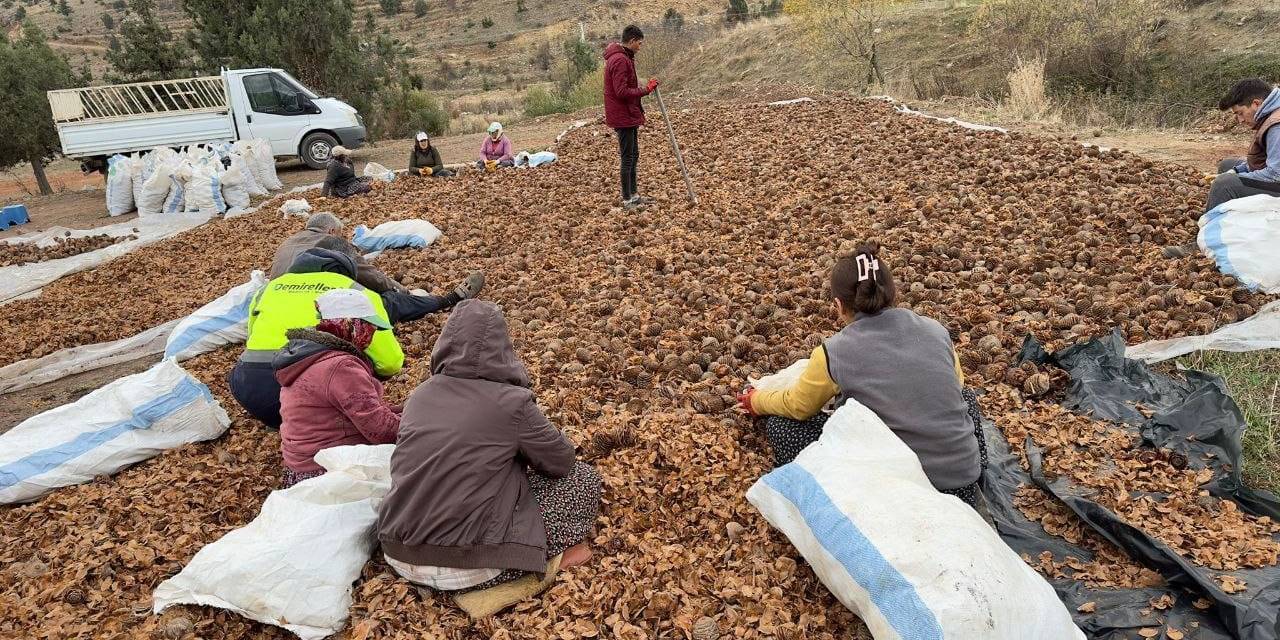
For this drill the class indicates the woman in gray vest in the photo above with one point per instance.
(899, 364)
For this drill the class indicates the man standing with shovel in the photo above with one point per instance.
(622, 109)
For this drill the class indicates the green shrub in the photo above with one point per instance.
(538, 101)
(402, 112)
(588, 92)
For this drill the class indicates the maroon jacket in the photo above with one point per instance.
(328, 397)
(459, 495)
(622, 91)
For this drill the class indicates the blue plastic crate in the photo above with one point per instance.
(13, 214)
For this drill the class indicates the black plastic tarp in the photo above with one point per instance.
(1192, 416)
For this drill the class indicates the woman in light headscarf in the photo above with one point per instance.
(496, 150)
(342, 181)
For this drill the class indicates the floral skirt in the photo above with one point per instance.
(569, 507)
(363, 184)
(289, 477)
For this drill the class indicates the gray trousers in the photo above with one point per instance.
(1229, 186)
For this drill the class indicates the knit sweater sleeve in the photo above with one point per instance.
(805, 398)
(358, 396)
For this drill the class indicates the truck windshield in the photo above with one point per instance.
(301, 87)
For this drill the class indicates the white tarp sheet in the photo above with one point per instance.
(16, 280)
(49, 237)
(34, 372)
(220, 322)
(1259, 331)
(293, 566)
(127, 421)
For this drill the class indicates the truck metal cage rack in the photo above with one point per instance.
(189, 95)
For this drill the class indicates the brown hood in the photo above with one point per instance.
(475, 345)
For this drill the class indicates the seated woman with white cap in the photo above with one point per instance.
(341, 181)
(328, 393)
(425, 160)
(496, 150)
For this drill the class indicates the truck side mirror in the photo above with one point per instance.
(310, 107)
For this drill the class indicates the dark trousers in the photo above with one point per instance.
(254, 386)
(629, 156)
(405, 307)
(443, 173)
(1229, 186)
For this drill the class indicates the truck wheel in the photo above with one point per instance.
(316, 149)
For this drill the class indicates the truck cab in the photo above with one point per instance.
(273, 105)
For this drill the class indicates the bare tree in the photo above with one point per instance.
(854, 27)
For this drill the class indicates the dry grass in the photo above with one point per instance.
(484, 103)
(1028, 99)
(1253, 379)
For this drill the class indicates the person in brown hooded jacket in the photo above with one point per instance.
(483, 488)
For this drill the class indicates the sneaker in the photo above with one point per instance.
(1179, 252)
(631, 204)
(470, 286)
(642, 200)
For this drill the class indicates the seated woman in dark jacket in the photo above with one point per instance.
(342, 181)
(425, 160)
(483, 488)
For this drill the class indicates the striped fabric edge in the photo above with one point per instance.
(41, 462)
(198, 331)
(893, 595)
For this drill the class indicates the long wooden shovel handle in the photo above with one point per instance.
(675, 146)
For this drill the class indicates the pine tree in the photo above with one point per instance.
(30, 68)
(148, 50)
(420, 8)
(390, 7)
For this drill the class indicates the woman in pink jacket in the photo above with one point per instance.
(328, 393)
(495, 151)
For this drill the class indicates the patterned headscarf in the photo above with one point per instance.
(353, 330)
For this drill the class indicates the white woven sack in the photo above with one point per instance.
(911, 562)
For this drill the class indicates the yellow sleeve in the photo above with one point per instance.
(959, 371)
(805, 398)
(384, 350)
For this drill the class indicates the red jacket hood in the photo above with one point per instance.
(616, 48)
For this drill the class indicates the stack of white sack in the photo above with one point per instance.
(219, 178)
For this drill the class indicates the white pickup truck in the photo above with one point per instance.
(97, 122)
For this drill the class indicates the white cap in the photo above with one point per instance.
(422, 135)
(495, 127)
(336, 304)
(340, 151)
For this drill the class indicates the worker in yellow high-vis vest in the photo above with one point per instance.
(289, 302)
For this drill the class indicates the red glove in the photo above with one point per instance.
(744, 401)
(653, 84)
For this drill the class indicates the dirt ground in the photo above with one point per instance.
(81, 202)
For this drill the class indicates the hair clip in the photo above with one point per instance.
(867, 266)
